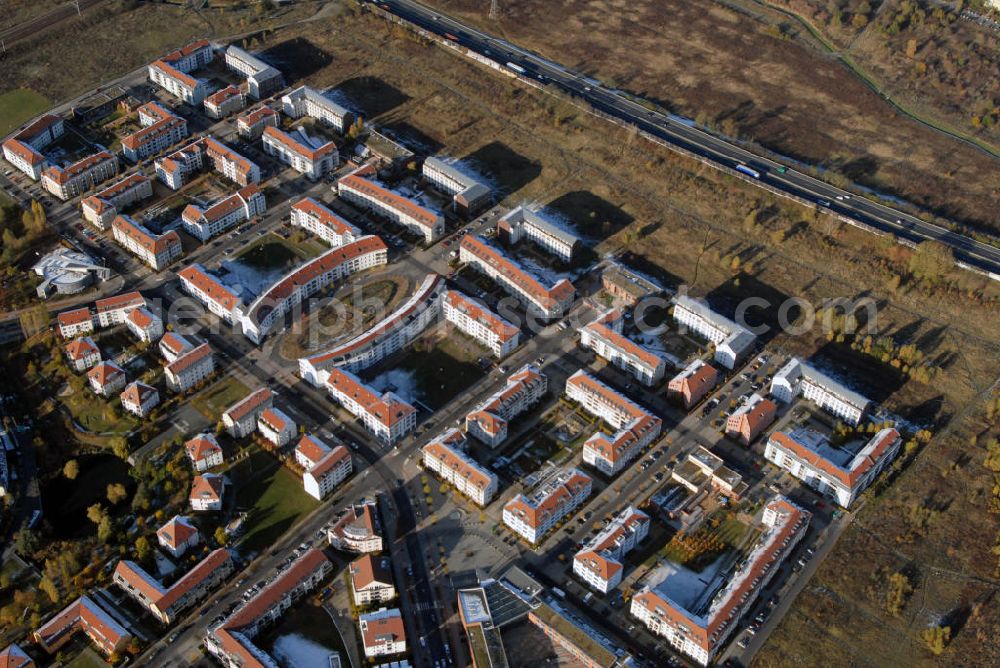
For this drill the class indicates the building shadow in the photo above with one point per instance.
(508, 170)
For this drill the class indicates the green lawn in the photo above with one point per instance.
(19, 106)
(441, 373)
(88, 658)
(212, 401)
(273, 252)
(275, 501)
(96, 415)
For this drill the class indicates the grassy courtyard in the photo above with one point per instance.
(217, 398)
(19, 106)
(275, 501)
(273, 252)
(443, 371)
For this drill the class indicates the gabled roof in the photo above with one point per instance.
(210, 286)
(75, 316)
(368, 570)
(387, 408)
(249, 404)
(312, 448)
(13, 656)
(424, 217)
(330, 461)
(189, 359)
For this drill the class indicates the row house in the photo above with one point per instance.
(190, 368)
(599, 561)
(307, 101)
(177, 536)
(231, 642)
(244, 204)
(204, 452)
(386, 416)
(636, 427)
(139, 399)
(251, 125)
(240, 420)
(144, 325)
(545, 302)
(307, 155)
(604, 336)
(388, 336)
(357, 529)
(82, 353)
(693, 383)
(318, 220)
(523, 223)
(85, 616)
(797, 378)
(488, 421)
(210, 291)
(478, 321)
(160, 130)
(171, 72)
(306, 280)
(445, 457)
(106, 378)
(22, 148)
(382, 633)
(173, 345)
(261, 78)
(167, 604)
(469, 194)
(839, 473)
(367, 194)
(207, 490)
(750, 420)
(223, 102)
(155, 250)
(732, 341)
(276, 426)
(102, 207)
(371, 580)
(557, 494)
(700, 634)
(81, 176)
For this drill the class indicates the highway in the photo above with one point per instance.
(684, 136)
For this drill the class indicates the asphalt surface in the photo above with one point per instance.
(683, 135)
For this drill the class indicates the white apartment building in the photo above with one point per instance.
(238, 169)
(371, 580)
(367, 194)
(171, 71)
(555, 496)
(261, 78)
(102, 207)
(306, 101)
(309, 451)
(604, 336)
(306, 155)
(276, 426)
(223, 102)
(797, 377)
(382, 633)
(173, 345)
(178, 536)
(319, 221)
(488, 421)
(548, 303)
(81, 176)
(523, 223)
(160, 130)
(357, 529)
(732, 341)
(206, 493)
(636, 427)
(839, 473)
(156, 250)
(326, 474)
(701, 634)
(22, 149)
(190, 368)
(269, 309)
(389, 335)
(82, 353)
(211, 292)
(240, 419)
(75, 322)
(204, 452)
(445, 457)
(251, 124)
(139, 399)
(469, 194)
(386, 416)
(599, 561)
(242, 205)
(174, 169)
(478, 321)
(167, 604)
(106, 378)
(144, 325)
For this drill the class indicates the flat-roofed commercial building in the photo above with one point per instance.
(636, 427)
(604, 336)
(732, 341)
(839, 473)
(445, 457)
(523, 223)
(548, 303)
(365, 193)
(555, 496)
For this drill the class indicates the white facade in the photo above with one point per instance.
(139, 399)
(386, 416)
(478, 321)
(204, 452)
(242, 205)
(732, 341)
(261, 78)
(160, 130)
(324, 476)
(22, 149)
(144, 325)
(445, 457)
(80, 176)
(604, 337)
(319, 221)
(558, 494)
(599, 561)
(156, 251)
(304, 154)
(190, 368)
(106, 378)
(834, 397)
(523, 223)
(367, 194)
(488, 421)
(275, 425)
(382, 633)
(240, 419)
(306, 101)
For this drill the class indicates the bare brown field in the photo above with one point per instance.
(735, 71)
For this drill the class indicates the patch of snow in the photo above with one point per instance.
(244, 279)
(296, 651)
(403, 383)
(684, 586)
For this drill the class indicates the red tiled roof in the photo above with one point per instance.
(84, 614)
(206, 487)
(369, 569)
(105, 372)
(481, 314)
(326, 217)
(136, 393)
(153, 244)
(13, 656)
(37, 127)
(533, 515)
(201, 447)
(122, 186)
(298, 147)
(548, 297)
(255, 116)
(189, 358)
(381, 627)
(330, 461)
(63, 176)
(387, 409)
(602, 329)
(140, 317)
(222, 95)
(77, 349)
(848, 477)
(124, 300)
(451, 459)
(178, 530)
(74, 317)
(424, 217)
(210, 286)
(175, 343)
(146, 134)
(248, 404)
(312, 448)
(25, 151)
